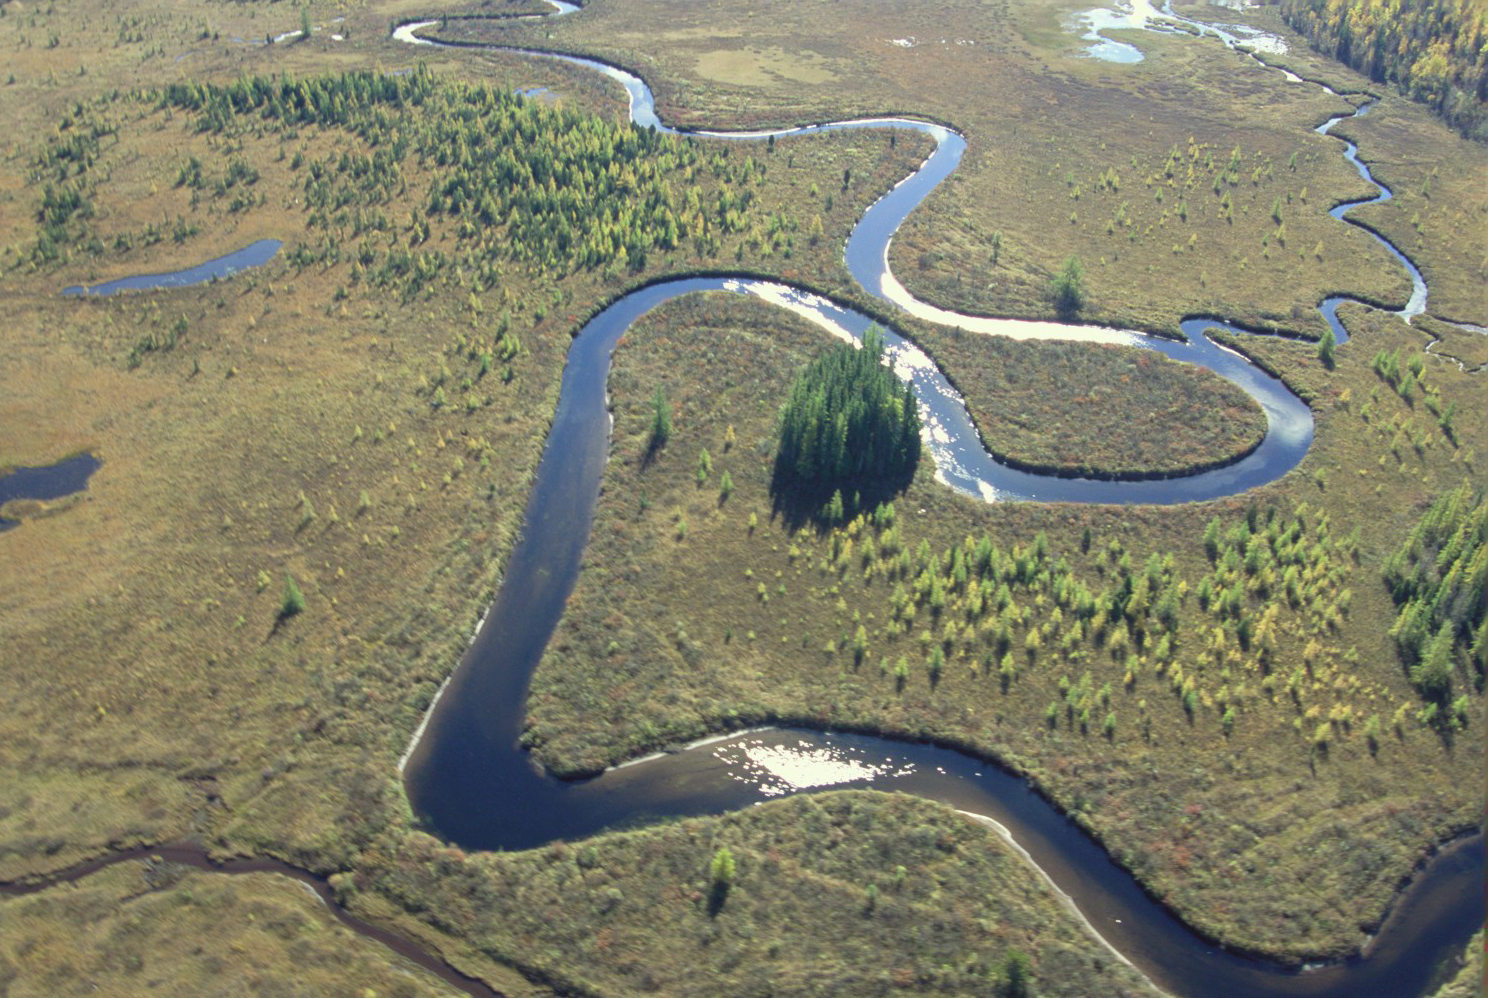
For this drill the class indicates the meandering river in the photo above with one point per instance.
(468, 777)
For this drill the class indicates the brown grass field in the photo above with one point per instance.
(289, 429)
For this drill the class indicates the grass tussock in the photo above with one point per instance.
(142, 925)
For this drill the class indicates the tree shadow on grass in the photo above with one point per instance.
(651, 453)
(801, 503)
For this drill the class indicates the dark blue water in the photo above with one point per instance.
(953, 443)
(50, 482)
(252, 255)
(468, 778)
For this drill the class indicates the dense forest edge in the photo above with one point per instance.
(1433, 51)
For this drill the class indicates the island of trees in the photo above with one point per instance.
(849, 421)
(1438, 577)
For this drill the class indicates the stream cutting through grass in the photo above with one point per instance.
(468, 778)
(196, 857)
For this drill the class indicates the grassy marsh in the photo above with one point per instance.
(1091, 149)
(820, 883)
(1436, 176)
(293, 427)
(290, 430)
(1092, 409)
(698, 612)
(149, 927)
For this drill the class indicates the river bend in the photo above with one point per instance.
(467, 776)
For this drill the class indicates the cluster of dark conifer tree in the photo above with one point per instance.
(62, 165)
(523, 181)
(1439, 576)
(849, 417)
(1436, 51)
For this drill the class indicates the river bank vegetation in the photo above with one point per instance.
(634, 912)
(1435, 175)
(214, 713)
(1432, 196)
(1468, 981)
(1144, 685)
(510, 182)
(1171, 217)
(1090, 409)
(141, 927)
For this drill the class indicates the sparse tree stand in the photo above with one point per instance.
(1069, 287)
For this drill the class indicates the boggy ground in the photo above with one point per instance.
(1090, 409)
(285, 424)
(146, 927)
(1270, 782)
(1189, 183)
(156, 697)
(1438, 215)
(847, 893)
(293, 421)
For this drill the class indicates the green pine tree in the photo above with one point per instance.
(1326, 346)
(1069, 287)
(661, 420)
(293, 601)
